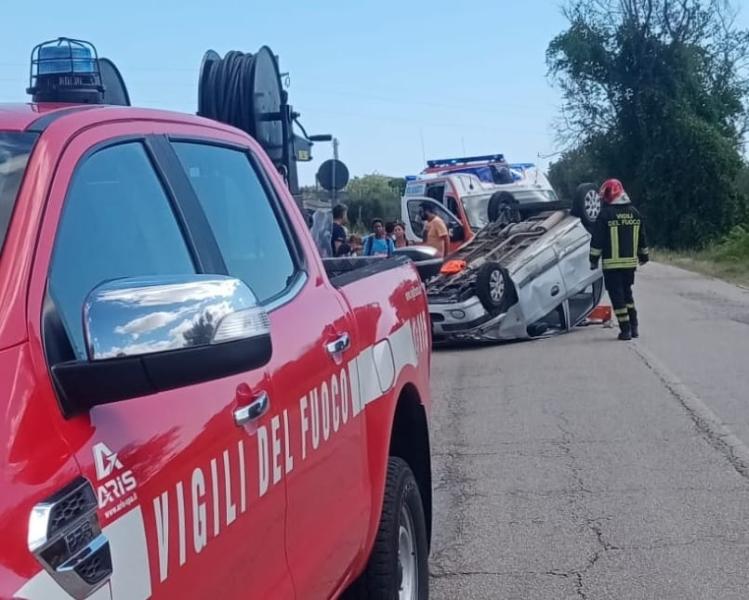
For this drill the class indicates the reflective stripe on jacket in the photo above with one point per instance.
(618, 237)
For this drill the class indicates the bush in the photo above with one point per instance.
(733, 248)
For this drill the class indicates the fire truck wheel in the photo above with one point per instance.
(398, 565)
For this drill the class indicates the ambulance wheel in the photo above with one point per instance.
(586, 205)
(398, 565)
(503, 208)
(493, 287)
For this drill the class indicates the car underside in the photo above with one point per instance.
(518, 281)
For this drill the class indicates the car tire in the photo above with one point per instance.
(586, 205)
(394, 571)
(503, 208)
(493, 287)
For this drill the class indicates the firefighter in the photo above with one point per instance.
(619, 238)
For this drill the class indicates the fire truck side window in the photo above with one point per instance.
(117, 222)
(241, 215)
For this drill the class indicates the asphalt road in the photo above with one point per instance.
(584, 467)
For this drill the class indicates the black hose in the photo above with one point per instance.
(225, 91)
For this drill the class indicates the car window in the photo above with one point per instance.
(241, 216)
(452, 205)
(414, 215)
(443, 213)
(436, 191)
(15, 149)
(117, 222)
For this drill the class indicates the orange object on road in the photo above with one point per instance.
(601, 313)
(452, 267)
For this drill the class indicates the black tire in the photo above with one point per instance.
(586, 205)
(493, 287)
(381, 579)
(503, 208)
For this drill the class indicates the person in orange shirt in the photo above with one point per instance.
(435, 230)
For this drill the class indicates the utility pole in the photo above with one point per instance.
(335, 162)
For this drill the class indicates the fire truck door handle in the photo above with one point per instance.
(253, 411)
(339, 345)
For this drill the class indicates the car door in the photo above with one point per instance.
(572, 246)
(174, 473)
(314, 443)
(582, 285)
(454, 227)
(544, 292)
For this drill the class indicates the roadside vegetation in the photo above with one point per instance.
(727, 259)
(368, 197)
(655, 93)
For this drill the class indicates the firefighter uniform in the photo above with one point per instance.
(619, 241)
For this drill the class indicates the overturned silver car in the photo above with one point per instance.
(516, 281)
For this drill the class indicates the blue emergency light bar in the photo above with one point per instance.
(65, 70)
(451, 162)
(522, 166)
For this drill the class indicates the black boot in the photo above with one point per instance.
(626, 331)
(634, 324)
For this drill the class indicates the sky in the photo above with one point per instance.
(395, 82)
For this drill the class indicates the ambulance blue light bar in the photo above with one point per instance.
(450, 162)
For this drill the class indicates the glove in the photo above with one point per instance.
(593, 265)
(644, 260)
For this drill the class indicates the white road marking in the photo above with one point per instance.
(706, 421)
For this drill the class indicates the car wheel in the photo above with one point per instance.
(586, 204)
(398, 565)
(493, 286)
(503, 209)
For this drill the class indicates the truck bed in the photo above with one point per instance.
(345, 270)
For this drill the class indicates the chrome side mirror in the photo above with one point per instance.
(150, 334)
(137, 317)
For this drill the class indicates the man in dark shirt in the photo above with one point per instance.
(340, 236)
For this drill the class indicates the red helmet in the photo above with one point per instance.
(611, 190)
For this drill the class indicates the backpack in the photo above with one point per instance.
(368, 245)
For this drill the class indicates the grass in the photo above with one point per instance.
(727, 259)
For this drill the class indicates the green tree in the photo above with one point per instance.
(655, 93)
(574, 167)
(743, 181)
(372, 196)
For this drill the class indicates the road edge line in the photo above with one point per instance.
(718, 435)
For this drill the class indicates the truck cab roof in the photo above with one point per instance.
(36, 117)
(18, 117)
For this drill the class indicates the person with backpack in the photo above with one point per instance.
(378, 243)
